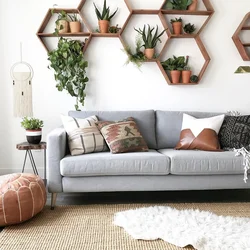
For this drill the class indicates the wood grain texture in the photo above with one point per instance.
(241, 47)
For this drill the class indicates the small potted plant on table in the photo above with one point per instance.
(177, 25)
(33, 128)
(175, 65)
(150, 40)
(104, 17)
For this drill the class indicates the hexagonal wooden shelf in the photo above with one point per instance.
(203, 69)
(162, 13)
(143, 12)
(236, 38)
(41, 34)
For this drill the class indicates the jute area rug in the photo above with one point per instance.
(91, 227)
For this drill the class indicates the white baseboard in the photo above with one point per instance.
(4, 171)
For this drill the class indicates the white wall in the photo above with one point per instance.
(112, 85)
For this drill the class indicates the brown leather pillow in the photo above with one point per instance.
(201, 134)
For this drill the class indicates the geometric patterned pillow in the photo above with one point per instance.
(83, 135)
(123, 136)
(201, 134)
(235, 132)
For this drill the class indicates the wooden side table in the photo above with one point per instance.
(28, 147)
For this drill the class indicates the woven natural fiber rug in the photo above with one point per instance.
(91, 227)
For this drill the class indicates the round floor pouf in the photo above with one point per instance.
(22, 196)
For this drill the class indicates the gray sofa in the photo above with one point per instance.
(162, 168)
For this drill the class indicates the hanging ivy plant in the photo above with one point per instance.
(69, 67)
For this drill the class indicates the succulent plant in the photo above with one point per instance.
(194, 78)
(189, 28)
(105, 15)
(176, 20)
(178, 4)
(150, 40)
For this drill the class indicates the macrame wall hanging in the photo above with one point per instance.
(22, 74)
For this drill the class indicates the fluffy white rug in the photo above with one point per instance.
(202, 230)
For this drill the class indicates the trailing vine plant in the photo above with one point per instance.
(69, 67)
(138, 57)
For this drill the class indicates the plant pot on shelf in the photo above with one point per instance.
(193, 5)
(177, 28)
(175, 76)
(103, 26)
(149, 53)
(34, 136)
(186, 74)
(75, 27)
(62, 26)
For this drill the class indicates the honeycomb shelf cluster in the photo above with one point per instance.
(160, 13)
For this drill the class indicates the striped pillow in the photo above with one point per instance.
(83, 135)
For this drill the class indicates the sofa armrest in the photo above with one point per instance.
(56, 149)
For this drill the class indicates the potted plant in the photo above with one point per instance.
(186, 72)
(178, 4)
(193, 5)
(69, 67)
(138, 57)
(194, 79)
(175, 65)
(189, 28)
(62, 24)
(177, 25)
(104, 17)
(114, 29)
(150, 40)
(74, 24)
(33, 128)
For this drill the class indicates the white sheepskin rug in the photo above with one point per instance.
(202, 230)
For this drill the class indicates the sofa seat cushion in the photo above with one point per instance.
(194, 162)
(105, 163)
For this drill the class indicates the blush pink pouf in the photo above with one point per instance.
(22, 196)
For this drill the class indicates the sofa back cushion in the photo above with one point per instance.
(144, 119)
(168, 126)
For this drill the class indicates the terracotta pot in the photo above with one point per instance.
(186, 76)
(103, 26)
(177, 28)
(75, 27)
(34, 136)
(149, 53)
(175, 76)
(193, 5)
(65, 26)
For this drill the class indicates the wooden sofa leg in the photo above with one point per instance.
(53, 200)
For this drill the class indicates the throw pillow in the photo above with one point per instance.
(123, 136)
(235, 132)
(83, 135)
(201, 134)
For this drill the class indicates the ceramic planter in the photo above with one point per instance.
(75, 27)
(103, 26)
(149, 53)
(65, 26)
(186, 74)
(175, 76)
(193, 5)
(34, 136)
(177, 28)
